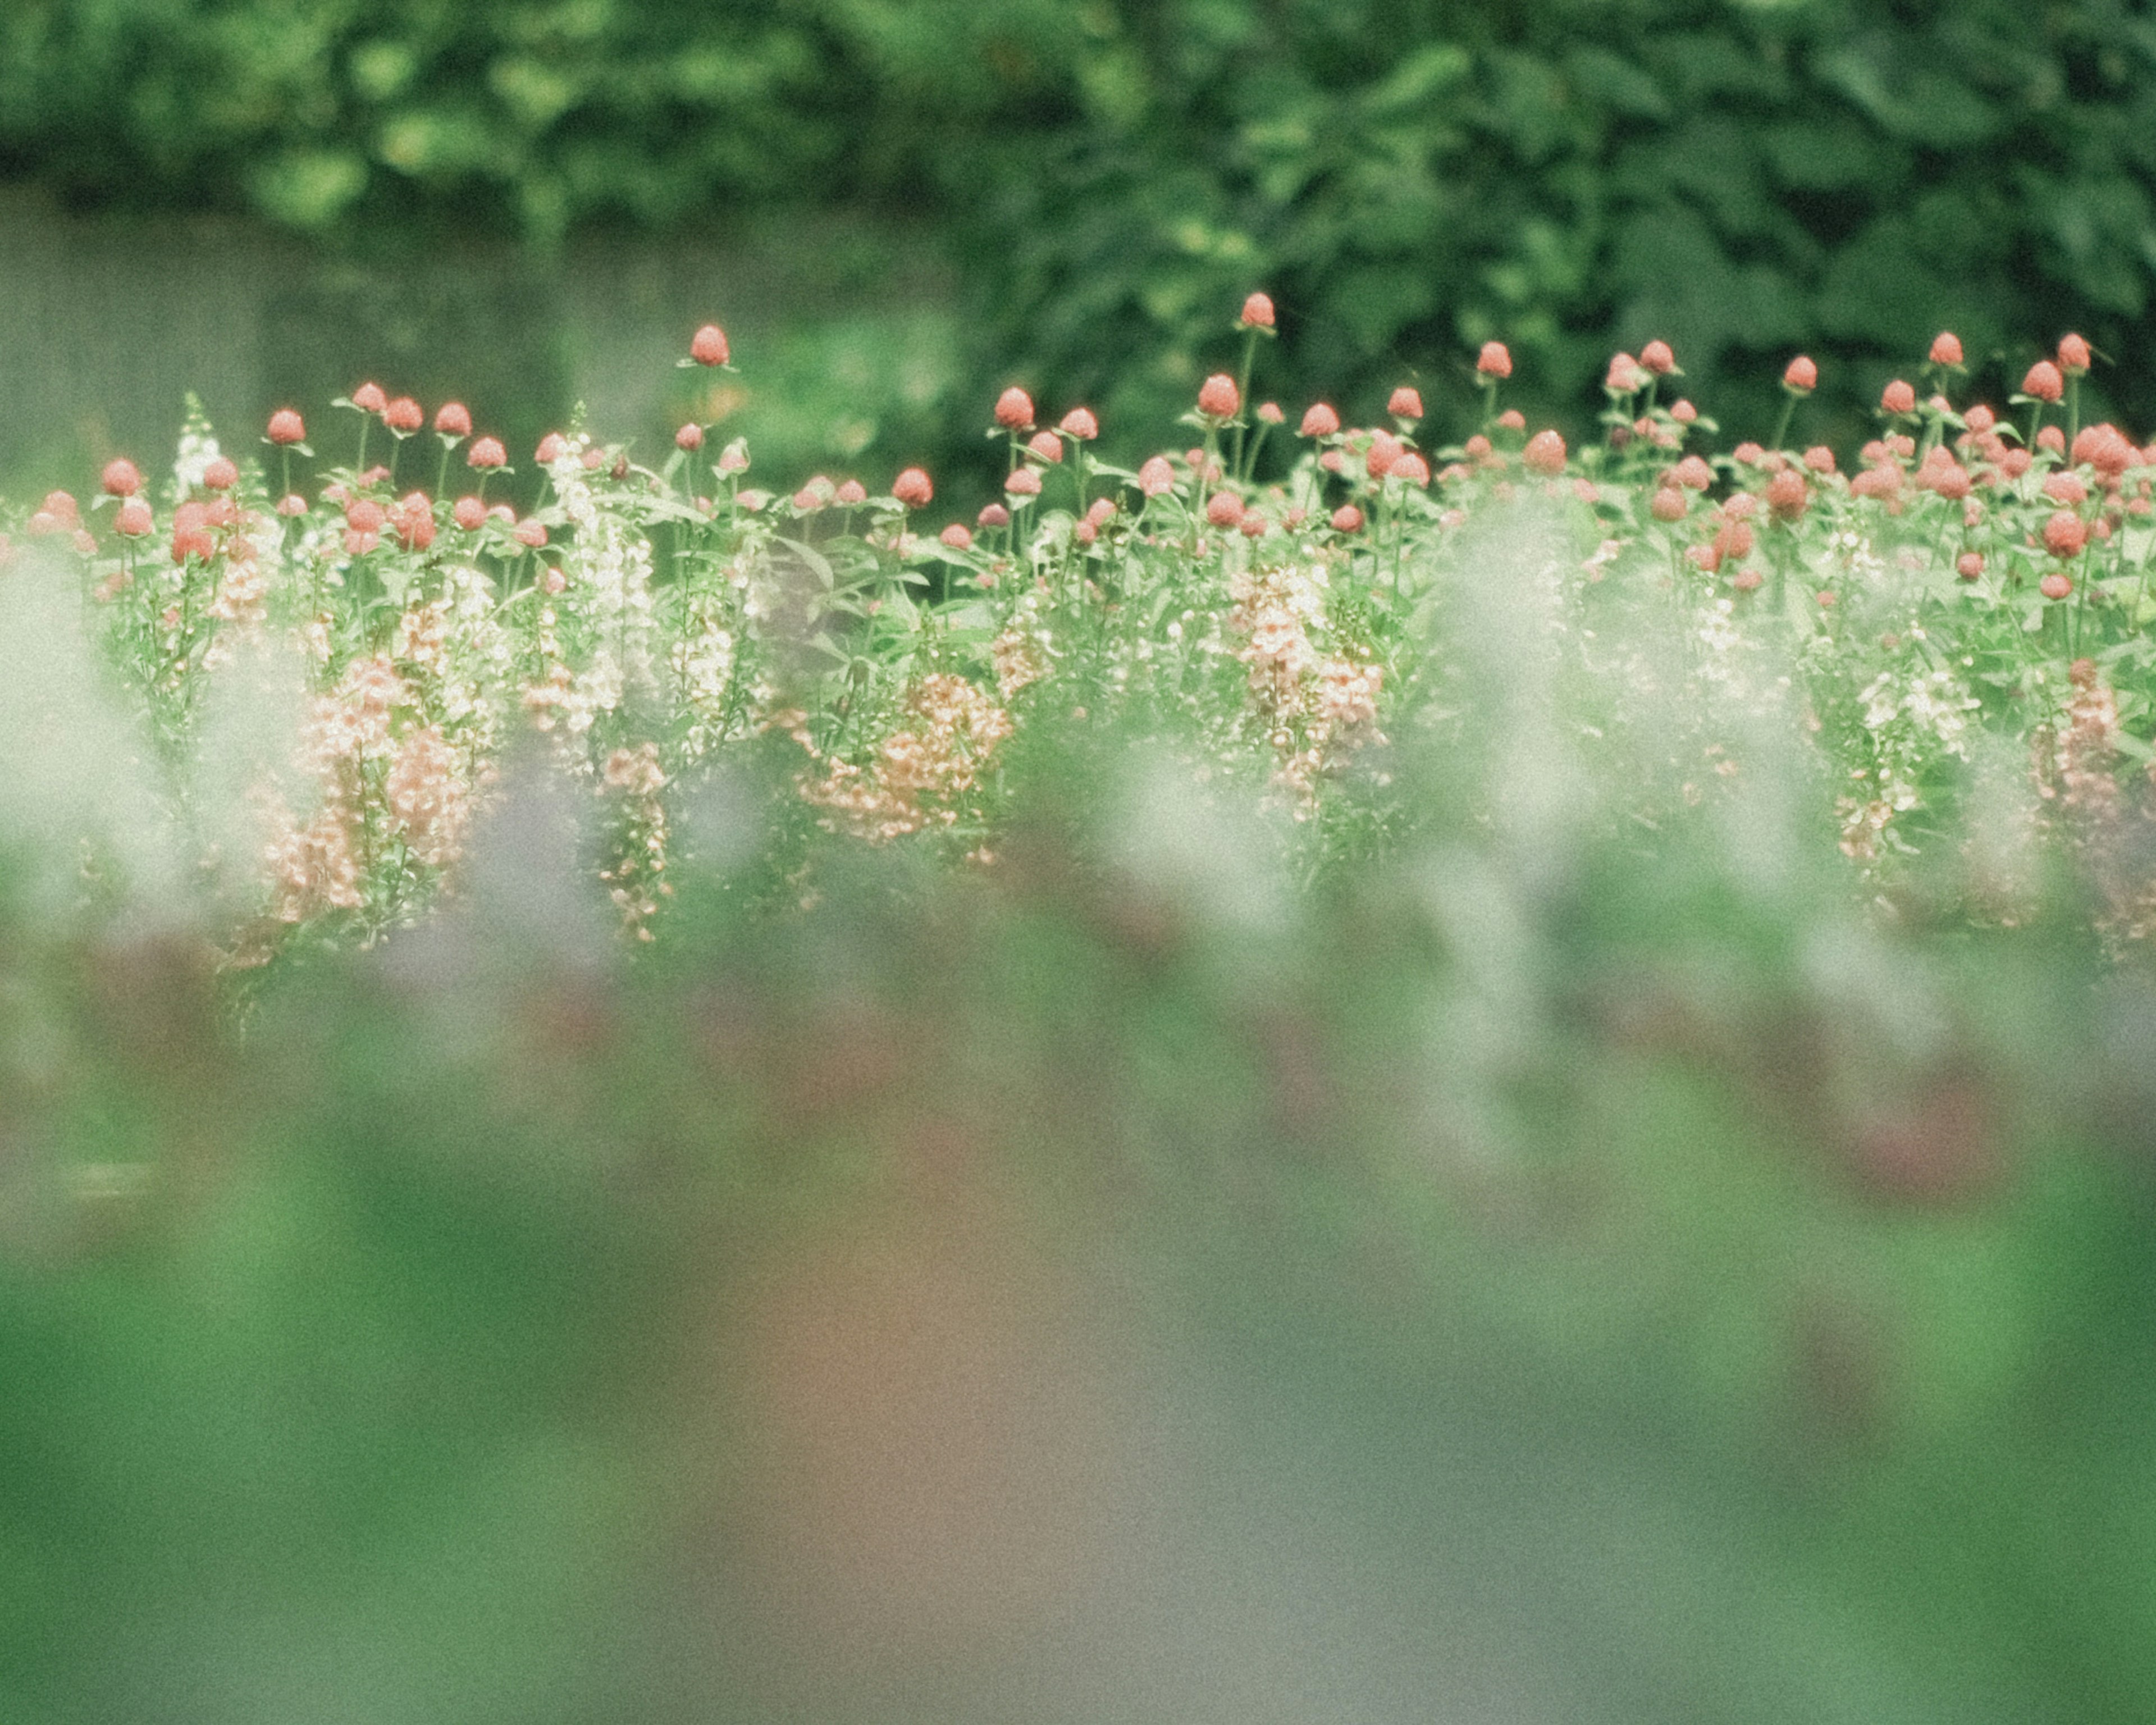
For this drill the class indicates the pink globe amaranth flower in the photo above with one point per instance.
(453, 419)
(1333, 461)
(1693, 473)
(592, 459)
(1494, 361)
(1102, 511)
(1819, 459)
(1319, 421)
(1271, 413)
(1157, 477)
(1751, 454)
(1683, 411)
(2043, 382)
(1951, 480)
(1258, 312)
(404, 416)
(1801, 375)
(1946, 348)
(1014, 409)
(1348, 519)
(1787, 495)
(368, 399)
(2056, 585)
(1544, 454)
(470, 514)
(1080, 424)
(689, 437)
(1384, 450)
(817, 494)
(192, 543)
(1624, 375)
(1980, 420)
(1223, 508)
(734, 458)
(1084, 532)
(2053, 439)
(415, 527)
(221, 474)
(552, 448)
(2064, 534)
(912, 488)
(533, 533)
(287, 427)
(1045, 446)
(852, 494)
(133, 518)
(365, 515)
(1658, 359)
(487, 453)
(992, 515)
(1512, 419)
(1970, 565)
(2073, 357)
(2066, 490)
(1253, 525)
(2015, 462)
(1898, 398)
(374, 475)
(121, 478)
(957, 535)
(291, 506)
(1405, 403)
(708, 346)
(1734, 539)
(1669, 505)
(1218, 397)
(1411, 470)
(1024, 482)
(507, 516)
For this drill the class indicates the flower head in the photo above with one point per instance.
(2073, 355)
(1800, 376)
(1320, 421)
(287, 427)
(1494, 361)
(1218, 397)
(1544, 454)
(1946, 348)
(404, 416)
(1014, 409)
(487, 453)
(453, 419)
(121, 478)
(689, 437)
(1258, 312)
(1406, 403)
(2044, 382)
(1658, 359)
(708, 346)
(221, 474)
(368, 399)
(1080, 424)
(912, 488)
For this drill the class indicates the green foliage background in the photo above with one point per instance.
(1745, 177)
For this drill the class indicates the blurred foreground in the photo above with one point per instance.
(1562, 1272)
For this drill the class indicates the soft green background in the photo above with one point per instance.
(1077, 196)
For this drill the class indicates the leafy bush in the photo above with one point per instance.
(1741, 178)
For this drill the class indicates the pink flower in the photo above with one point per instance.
(1225, 509)
(403, 416)
(957, 536)
(552, 448)
(1800, 376)
(1320, 421)
(1014, 409)
(1348, 519)
(708, 346)
(1658, 359)
(2056, 585)
(689, 437)
(1787, 494)
(1271, 412)
(1218, 397)
(1411, 470)
(852, 494)
(1494, 361)
(133, 518)
(2064, 534)
(121, 478)
(2043, 382)
(1405, 403)
(912, 488)
(1970, 565)
(1156, 477)
(1045, 446)
(488, 453)
(453, 419)
(1024, 482)
(1080, 424)
(533, 533)
(1898, 398)
(992, 515)
(368, 399)
(470, 514)
(221, 474)
(1258, 312)
(1669, 505)
(287, 427)
(1946, 348)
(2073, 357)
(1544, 454)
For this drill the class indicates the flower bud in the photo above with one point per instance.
(1156, 477)
(1271, 412)
(2064, 534)
(1787, 494)
(1410, 469)
(2056, 585)
(1024, 482)
(1218, 397)
(1223, 508)
(2044, 382)
(708, 346)
(1669, 505)
(531, 533)
(1046, 446)
(470, 514)
(1970, 565)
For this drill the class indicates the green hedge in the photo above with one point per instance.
(1743, 176)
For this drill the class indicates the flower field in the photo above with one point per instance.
(1313, 1074)
(1945, 635)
